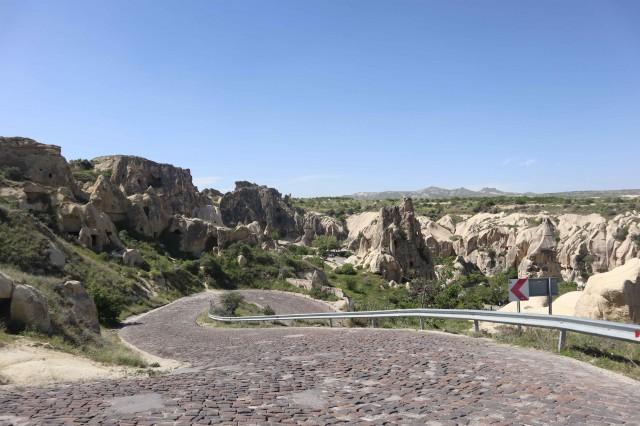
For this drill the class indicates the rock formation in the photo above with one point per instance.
(37, 162)
(6, 286)
(132, 258)
(390, 243)
(312, 224)
(569, 245)
(82, 310)
(254, 203)
(29, 309)
(613, 295)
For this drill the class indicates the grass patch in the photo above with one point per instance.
(610, 354)
(108, 349)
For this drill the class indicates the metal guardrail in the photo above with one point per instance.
(614, 330)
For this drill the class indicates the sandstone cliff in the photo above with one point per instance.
(390, 242)
(569, 245)
(43, 164)
(255, 203)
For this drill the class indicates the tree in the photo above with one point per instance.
(325, 243)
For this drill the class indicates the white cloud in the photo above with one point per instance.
(529, 162)
(507, 161)
(206, 181)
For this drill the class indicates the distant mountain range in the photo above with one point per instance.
(443, 193)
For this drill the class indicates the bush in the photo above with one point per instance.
(268, 310)
(13, 173)
(229, 302)
(109, 304)
(352, 284)
(325, 243)
(346, 269)
(191, 266)
(213, 269)
(82, 164)
(320, 293)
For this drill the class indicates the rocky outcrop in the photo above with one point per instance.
(133, 258)
(57, 258)
(29, 309)
(135, 175)
(6, 286)
(254, 203)
(571, 246)
(613, 295)
(193, 235)
(147, 196)
(311, 225)
(390, 243)
(240, 234)
(43, 164)
(93, 228)
(81, 308)
(108, 198)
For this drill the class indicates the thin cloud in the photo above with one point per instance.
(206, 181)
(529, 162)
(507, 161)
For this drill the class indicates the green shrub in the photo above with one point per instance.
(325, 243)
(229, 302)
(108, 302)
(191, 266)
(13, 173)
(82, 164)
(346, 269)
(268, 310)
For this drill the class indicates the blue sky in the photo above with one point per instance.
(335, 96)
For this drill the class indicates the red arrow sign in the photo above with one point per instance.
(516, 289)
(637, 334)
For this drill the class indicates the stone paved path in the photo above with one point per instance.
(327, 376)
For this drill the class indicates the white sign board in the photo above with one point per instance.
(519, 290)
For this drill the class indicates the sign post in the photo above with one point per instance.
(549, 298)
(522, 289)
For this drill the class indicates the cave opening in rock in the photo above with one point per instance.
(94, 240)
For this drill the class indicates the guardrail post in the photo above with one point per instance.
(562, 340)
(330, 322)
(476, 326)
(421, 323)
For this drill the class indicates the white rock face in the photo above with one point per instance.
(390, 243)
(571, 246)
(614, 295)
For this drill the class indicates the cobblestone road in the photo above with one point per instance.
(327, 376)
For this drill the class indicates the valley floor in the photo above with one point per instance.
(322, 375)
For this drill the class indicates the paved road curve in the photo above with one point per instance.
(322, 376)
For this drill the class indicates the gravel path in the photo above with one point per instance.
(323, 376)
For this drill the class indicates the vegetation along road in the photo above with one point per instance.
(314, 375)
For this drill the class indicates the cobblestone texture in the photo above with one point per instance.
(328, 376)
